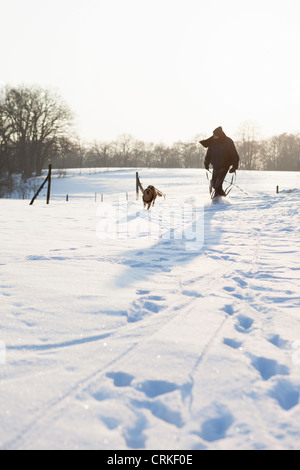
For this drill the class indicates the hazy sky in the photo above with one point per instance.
(161, 70)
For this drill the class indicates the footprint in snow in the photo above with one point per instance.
(154, 388)
(268, 367)
(110, 422)
(151, 388)
(161, 411)
(286, 394)
(121, 379)
(144, 306)
(229, 289)
(244, 324)
(215, 427)
(232, 343)
(240, 281)
(228, 309)
(134, 435)
(6, 294)
(191, 293)
(278, 342)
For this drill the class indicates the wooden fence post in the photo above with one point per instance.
(48, 178)
(49, 183)
(39, 190)
(137, 185)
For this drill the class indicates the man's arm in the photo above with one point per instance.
(234, 156)
(207, 158)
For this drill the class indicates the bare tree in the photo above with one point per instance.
(37, 120)
(98, 155)
(247, 145)
(123, 148)
(4, 140)
(138, 154)
(289, 152)
(270, 153)
(159, 155)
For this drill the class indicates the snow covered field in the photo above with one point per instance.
(177, 328)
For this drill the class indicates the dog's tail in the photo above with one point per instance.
(159, 193)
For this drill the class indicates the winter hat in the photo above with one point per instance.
(219, 133)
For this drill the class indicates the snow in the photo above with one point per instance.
(174, 328)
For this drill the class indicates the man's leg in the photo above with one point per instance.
(217, 181)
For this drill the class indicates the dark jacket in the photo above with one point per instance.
(222, 154)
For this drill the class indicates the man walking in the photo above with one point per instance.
(221, 154)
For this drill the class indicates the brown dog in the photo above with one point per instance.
(149, 196)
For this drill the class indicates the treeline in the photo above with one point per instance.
(278, 153)
(36, 126)
(126, 151)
